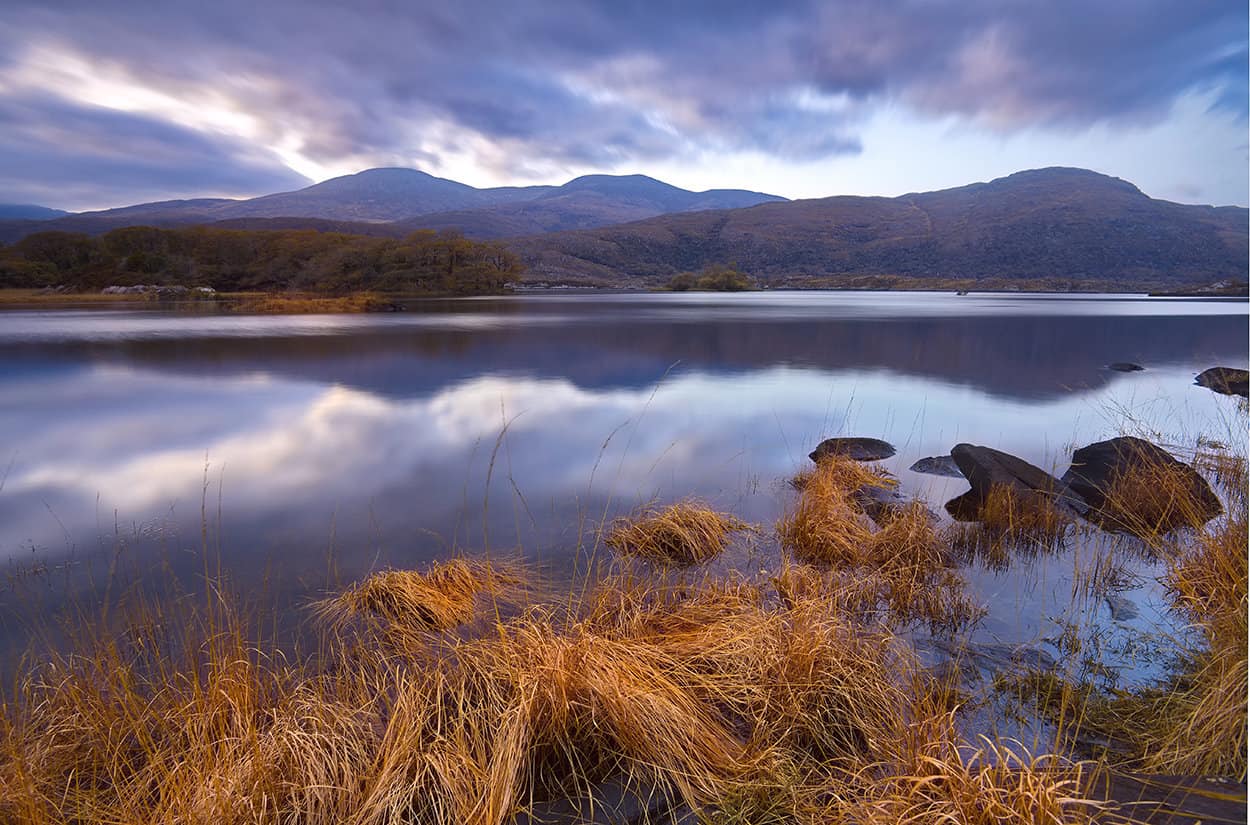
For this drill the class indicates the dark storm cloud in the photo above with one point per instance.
(54, 152)
(599, 83)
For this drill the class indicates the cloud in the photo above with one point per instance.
(57, 152)
(531, 89)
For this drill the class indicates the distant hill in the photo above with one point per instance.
(1043, 223)
(28, 212)
(379, 195)
(417, 200)
(586, 202)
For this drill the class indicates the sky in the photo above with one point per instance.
(112, 102)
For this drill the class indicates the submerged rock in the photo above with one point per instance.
(1122, 610)
(1125, 366)
(993, 658)
(1134, 486)
(859, 449)
(1225, 380)
(937, 465)
(882, 504)
(987, 468)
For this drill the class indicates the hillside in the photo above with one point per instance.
(1045, 223)
(28, 212)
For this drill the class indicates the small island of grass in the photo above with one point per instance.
(712, 278)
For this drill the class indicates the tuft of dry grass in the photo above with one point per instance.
(905, 564)
(446, 596)
(682, 534)
(1150, 502)
(1010, 522)
(827, 525)
(993, 784)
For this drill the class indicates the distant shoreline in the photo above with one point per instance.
(274, 303)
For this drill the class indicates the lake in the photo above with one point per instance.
(308, 450)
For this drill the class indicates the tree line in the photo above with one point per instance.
(233, 260)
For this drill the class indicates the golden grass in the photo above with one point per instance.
(995, 783)
(445, 596)
(905, 564)
(1200, 724)
(1150, 502)
(682, 534)
(1009, 522)
(260, 303)
(740, 700)
(37, 297)
(279, 303)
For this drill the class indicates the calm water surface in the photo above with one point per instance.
(361, 442)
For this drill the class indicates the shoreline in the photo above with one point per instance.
(276, 303)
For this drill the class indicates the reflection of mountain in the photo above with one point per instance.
(1020, 357)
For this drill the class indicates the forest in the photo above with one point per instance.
(230, 260)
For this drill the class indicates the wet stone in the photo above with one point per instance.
(1122, 610)
(1225, 380)
(859, 449)
(937, 465)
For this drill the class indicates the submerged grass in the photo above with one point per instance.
(682, 534)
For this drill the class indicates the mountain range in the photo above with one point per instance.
(1055, 223)
(417, 200)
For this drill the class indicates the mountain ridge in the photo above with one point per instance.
(29, 212)
(1056, 222)
(389, 194)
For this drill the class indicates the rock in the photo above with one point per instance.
(883, 503)
(987, 468)
(1125, 366)
(1225, 380)
(1160, 493)
(859, 449)
(994, 657)
(938, 465)
(1122, 610)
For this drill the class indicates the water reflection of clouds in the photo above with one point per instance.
(135, 441)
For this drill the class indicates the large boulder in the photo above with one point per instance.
(1125, 366)
(987, 469)
(859, 449)
(1134, 486)
(1225, 380)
